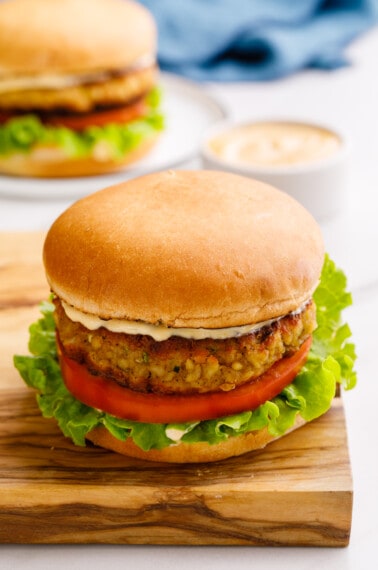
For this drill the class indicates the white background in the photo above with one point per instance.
(348, 98)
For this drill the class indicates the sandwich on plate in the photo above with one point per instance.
(78, 86)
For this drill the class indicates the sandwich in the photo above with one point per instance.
(78, 86)
(194, 317)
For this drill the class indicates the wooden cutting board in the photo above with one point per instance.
(297, 491)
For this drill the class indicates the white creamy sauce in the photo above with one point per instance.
(275, 144)
(55, 81)
(160, 332)
(176, 434)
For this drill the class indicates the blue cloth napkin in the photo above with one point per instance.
(253, 40)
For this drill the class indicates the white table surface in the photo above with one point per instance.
(349, 98)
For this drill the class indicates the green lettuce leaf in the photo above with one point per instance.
(330, 362)
(23, 133)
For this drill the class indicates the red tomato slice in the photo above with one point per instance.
(79, 122)
(100, 118)
(5, 116)
(108, 396)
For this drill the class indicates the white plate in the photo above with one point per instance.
(188, 111)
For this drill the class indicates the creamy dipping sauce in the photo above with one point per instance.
(58, 81)
(275, 144)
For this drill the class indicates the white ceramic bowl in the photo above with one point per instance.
(319, 184)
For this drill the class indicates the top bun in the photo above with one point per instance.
(73, 36)
(185, 249)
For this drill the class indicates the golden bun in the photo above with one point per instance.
(49, 162)
(189, 452)
(74, 36)
(185, 249)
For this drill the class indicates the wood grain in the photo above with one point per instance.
(297, 491)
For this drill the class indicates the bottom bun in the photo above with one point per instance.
(49, 162)
(189, 452)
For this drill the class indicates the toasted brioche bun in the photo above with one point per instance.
(74, 36)
(189, 452)
(185, 249)
(50, 163)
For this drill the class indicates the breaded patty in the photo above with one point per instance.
(180, 365)
(83, 98)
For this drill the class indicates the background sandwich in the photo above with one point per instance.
(196, 318)
(78, 89)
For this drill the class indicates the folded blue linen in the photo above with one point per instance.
(252, 40)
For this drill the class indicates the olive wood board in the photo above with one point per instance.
(296, 491)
